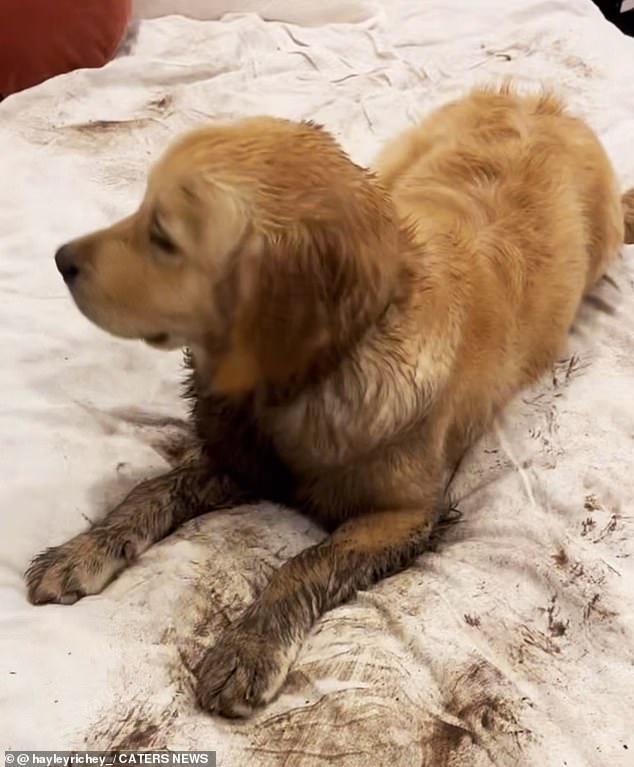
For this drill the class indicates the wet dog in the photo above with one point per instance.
(349, 333)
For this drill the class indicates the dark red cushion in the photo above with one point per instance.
(43, 38)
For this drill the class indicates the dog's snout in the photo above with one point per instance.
(66, 263)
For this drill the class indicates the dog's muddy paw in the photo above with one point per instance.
(242, 672)
(82, 566)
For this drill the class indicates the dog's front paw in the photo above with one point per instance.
(82, 566)
(243, 671)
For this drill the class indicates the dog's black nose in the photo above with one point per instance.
(66, 265)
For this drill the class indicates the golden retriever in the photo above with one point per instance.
(350, 333)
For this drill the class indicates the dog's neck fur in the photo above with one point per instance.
(325, 362)
(357, 377)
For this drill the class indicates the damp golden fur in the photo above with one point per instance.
(350, 334)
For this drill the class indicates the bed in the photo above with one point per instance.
(511, 642)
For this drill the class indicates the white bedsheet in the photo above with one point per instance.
(512, 643)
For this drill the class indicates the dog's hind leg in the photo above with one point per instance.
(153, 509)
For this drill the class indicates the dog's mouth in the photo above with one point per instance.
(159, 340)
(165, 341)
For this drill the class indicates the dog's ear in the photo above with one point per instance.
(314, 287)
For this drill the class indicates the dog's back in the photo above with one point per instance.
(516, 206)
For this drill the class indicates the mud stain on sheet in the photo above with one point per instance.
(544, 415)
(120, 148)
(99, 127)
(556, 626)
(560, 558)
(162, 104)
(102, 133)
(322, 731)
(129, 138)
(481, 725)
(346, 707)
(172, 438)
(600, 304)
(134, 728)
(379, 718)
(213, 597)
(594, 609)
(153, 721)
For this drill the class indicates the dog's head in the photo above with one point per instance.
(260, 245)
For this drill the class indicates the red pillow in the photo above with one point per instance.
(43, 38)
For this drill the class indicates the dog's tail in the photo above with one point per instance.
(628, 215)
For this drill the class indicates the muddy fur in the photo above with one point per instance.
(350, 334)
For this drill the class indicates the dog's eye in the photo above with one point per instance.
(160, 239)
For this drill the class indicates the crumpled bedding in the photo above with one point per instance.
(511, 642)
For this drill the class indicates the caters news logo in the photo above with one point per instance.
(108, 758)
(167, 758)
